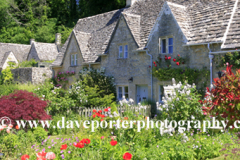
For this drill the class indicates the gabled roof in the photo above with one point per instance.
(20, 51)
(4, 58)
(45, 51)
(201, 21)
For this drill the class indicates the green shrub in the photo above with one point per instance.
(30, 63)
(6, 76)
(39, 134)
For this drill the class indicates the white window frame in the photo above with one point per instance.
(123, 92)
(123, 51)
(161, 47)
(73, 59)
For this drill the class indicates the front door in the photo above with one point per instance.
(142, 93)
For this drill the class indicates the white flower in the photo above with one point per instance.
(192, 117)
(43, 96)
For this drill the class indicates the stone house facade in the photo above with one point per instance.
(126, 42)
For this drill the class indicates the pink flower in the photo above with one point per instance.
(178, 63)
(50, 155)
(102, 137)
(1, 128)
(8, 130)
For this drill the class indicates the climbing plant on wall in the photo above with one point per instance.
(231, 58)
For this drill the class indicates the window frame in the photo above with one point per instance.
(166, 46)
(123, 53)
(123, 93)
(73, 58)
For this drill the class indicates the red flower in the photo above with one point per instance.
(64, 147)
(41, 159)
(100, 111)
(106, 110)
(149, 66)
(169, 57)
(85, 141)
(102, 116)
(178, 63)
(174, 60)
(41, 154)
(102, 120)
(154, 62)
(113, 143)
(94, 111)
(178, 55)
(166, 58)
(25, 157)
(125, 118)
(79, 145)
(94, 115)
(17, 127)
(155, 65)
(127, 156)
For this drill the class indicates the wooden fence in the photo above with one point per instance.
(145, 110)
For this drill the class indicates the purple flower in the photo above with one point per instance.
(69, 151)
(49, 147)
(62, 156)
(43, 149)
(61, 152)
(36, 150)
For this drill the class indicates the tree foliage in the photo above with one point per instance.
(21, 20)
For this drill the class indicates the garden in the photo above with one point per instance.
(50, 101)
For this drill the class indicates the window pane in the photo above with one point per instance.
(120, 52)
(126, 89)
(72, 60)
(126, 51)
(75, 59)
(119, 92)
(170, 41)
(170, 49)
(164, 46)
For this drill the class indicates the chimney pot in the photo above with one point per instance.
(31, 41)
(58, 38)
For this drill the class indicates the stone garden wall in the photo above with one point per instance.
(34, 75)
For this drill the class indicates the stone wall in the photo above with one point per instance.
(34, 75)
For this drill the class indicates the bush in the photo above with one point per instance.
(23, 105)
(30, 63)
(6, 76)
(39, 134)
(183, 104)
(94, 78)
(223, 101)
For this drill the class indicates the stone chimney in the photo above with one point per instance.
(129, 3)
(58, 39)
(31, 41)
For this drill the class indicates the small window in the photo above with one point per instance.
(126, 51)
(170, 45)
(161, 93)
(120, 52)
(73, 59)
(70, 87)
(123, 91)
(163, 45)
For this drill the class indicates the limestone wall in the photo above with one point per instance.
(34, 75)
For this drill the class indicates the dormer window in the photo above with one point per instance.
(73, 59)
(166, 45)
(123, 51)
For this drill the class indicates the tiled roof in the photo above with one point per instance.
(209, 21)
(233, 35)
(4, 59)
(20, 51)
(201, 21)
(46, 51)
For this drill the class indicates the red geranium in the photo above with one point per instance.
(94, 111)
(85, 141)
(178, 63)
(94, 115)
(100, 111)
(113, 143)
(178, 55)
(169, 57)
(79, 145)
(127, 156)
(154, 62)
(41, 154)
(25, 157)
(174, 60)
(64, 147)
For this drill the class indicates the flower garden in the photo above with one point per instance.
(50, 101)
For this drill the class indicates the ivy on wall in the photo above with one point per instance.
(199, 77)
(231, 58)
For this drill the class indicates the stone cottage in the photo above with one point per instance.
(127, 41)
(41, 52)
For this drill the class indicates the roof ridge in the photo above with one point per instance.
(129, 14)
(176, 5)
(15, 44)
(99, 14)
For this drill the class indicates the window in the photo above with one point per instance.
(122, 91)
(161, 93)
(73, 59)
(123, 53)
(166, 45)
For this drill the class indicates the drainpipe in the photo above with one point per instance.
(151, 74)
(211, 68)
